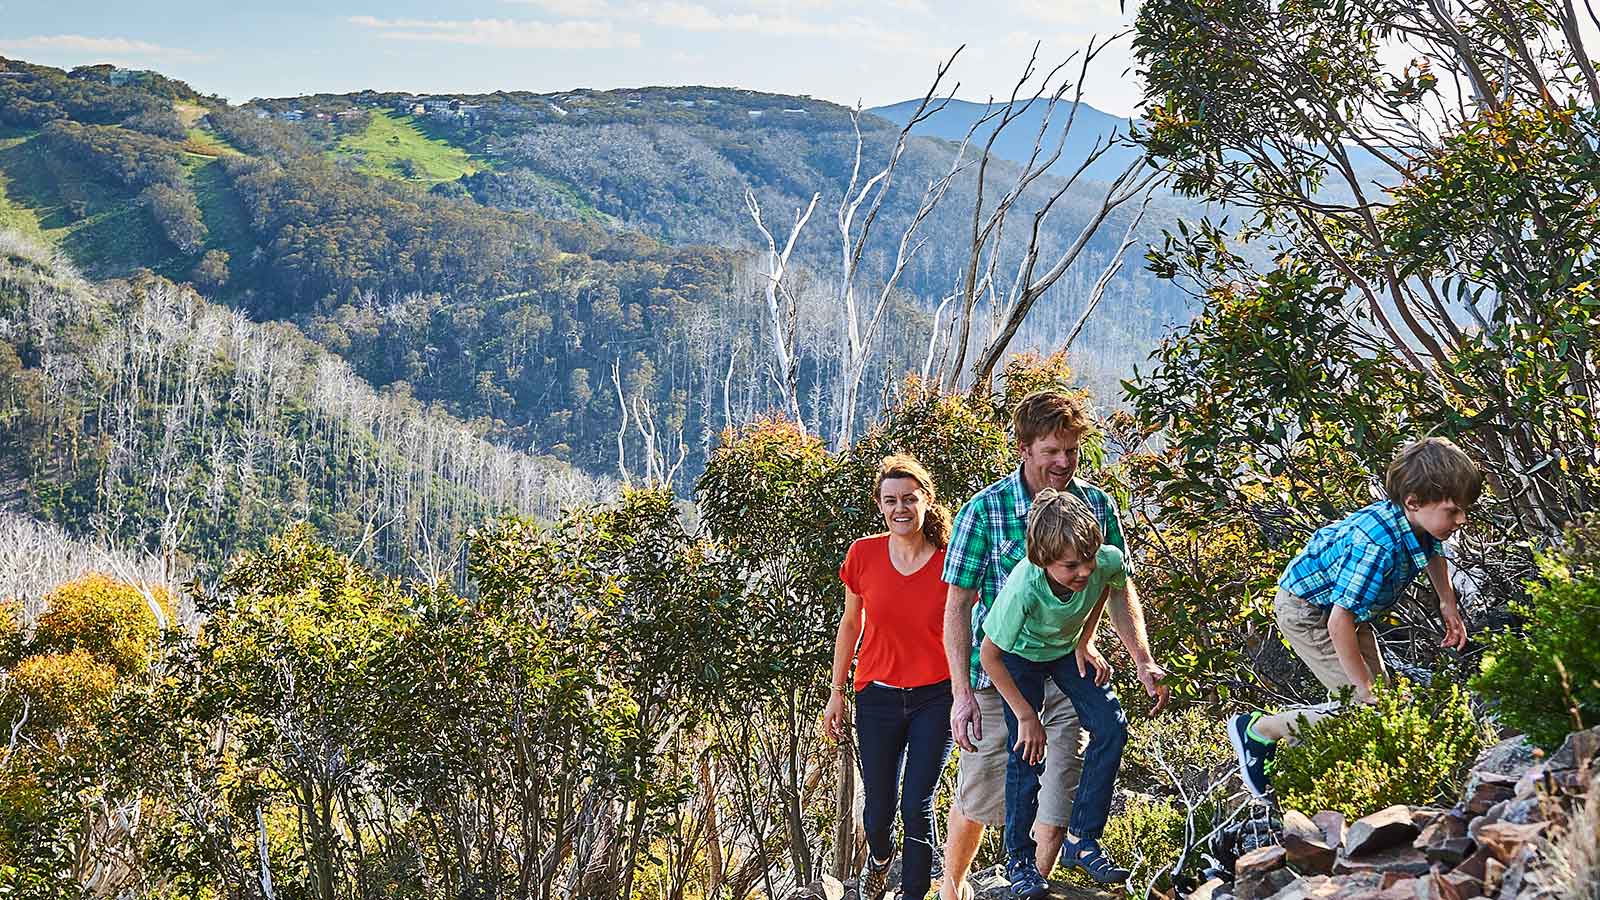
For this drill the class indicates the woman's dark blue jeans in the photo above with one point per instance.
(903, 736)
(1100, 714)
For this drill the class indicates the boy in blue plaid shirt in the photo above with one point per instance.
(1352, 572)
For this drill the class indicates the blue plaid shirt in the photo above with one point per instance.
(990, 536)
(1362, 562)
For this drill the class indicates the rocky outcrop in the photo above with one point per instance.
(1487, 846)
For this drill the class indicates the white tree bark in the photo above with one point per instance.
(782, 318)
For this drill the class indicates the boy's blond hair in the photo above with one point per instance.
(1059, 524)
(1433, 469)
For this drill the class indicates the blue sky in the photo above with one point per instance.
(877, 52)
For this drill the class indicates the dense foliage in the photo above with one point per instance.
(1543, 675)
(35, 95)
(1412, 746)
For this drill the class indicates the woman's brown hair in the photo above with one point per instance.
(936, 523)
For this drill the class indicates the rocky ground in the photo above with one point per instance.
(1494, 844)
(1491, 844)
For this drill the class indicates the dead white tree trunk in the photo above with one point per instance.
(622, 428)
(859, 326)
(781, 312)
(985, 248)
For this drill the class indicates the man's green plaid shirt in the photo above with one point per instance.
(990, 537)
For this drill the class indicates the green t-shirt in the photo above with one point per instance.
(1028, 619)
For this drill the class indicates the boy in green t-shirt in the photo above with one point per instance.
(1043, 625)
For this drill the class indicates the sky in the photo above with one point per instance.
(876, 52)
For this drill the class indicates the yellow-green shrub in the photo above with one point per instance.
(1145, 835)
(63, 690)
(109, 618)
(1412, 746)
(10, 632)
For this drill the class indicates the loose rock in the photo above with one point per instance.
(1260, 860)
(1404, 859)
(1383, 829)
(1306, 845)
(1485, 789)
(1332, 825)
(1512, 756)
(1261, 885)
(1579, 749)
(1503, 840)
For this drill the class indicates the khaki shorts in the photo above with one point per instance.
(981, 776)
(1306, 628)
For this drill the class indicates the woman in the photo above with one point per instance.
(894, 605)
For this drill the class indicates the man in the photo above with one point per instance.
(988, 540)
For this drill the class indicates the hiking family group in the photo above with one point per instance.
(980, 632)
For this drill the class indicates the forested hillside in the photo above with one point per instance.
(140, 413)
(560, 268)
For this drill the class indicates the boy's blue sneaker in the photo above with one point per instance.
(1091, 858)
(1026, 882)
(1253, 753)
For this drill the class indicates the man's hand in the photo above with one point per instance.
(1030, 740)
(1455, 630)
(1153, 677)
(964, 713)
(1092, 663)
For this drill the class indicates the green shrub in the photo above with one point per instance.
(1544, 678)
(1146, 834)
(1412, 746)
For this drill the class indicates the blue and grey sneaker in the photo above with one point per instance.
(1253, 753)
(1088, 856)
(1026, 882)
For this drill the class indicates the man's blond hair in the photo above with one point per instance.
(1060, 524)
(1431, 470)
(1045, 413)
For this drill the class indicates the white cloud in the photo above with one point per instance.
(682, 16)
(1080, 13)
(115, 49)
(777, 18)
(503, 33)
(573, 8)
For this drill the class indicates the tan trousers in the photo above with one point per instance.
(1306, 628)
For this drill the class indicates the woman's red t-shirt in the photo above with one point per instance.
(902, 639)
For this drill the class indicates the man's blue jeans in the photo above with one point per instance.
(903, 735)
(1100, 714)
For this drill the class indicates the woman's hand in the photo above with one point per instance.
(1090, 661)
(1030, 739)
(835, 719)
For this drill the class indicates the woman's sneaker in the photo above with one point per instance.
(1026, 882)
(1252, 752)
(874, 881)
(1088, 856)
